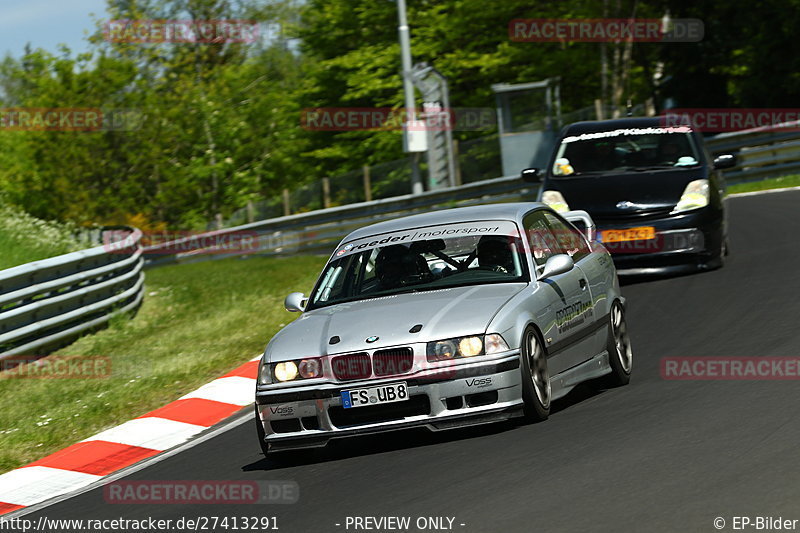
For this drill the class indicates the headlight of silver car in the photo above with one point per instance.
(290, 370)
(465, 347)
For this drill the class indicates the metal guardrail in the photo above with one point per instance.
(761, 153)
(319, 231)
(48, 302)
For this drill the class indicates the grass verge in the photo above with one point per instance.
(197, 322)
(767, 184)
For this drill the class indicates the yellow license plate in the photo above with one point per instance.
(641, 233)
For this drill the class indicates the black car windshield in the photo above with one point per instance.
(459, 255)
(625, 150)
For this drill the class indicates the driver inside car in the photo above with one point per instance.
(397, 266)
(494, 253)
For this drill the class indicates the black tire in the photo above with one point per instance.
(718, 259)
(261, 435)
(536, 390)
(620, 355)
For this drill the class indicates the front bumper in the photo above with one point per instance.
(683, 243)
(444, 398)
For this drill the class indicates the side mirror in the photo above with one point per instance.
(531, 175)
(724, 161)
(558, 264)
(295, 302)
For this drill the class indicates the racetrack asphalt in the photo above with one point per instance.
(655, 455)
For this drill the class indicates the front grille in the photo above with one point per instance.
(352, 366)
(373, 414)
(623, 217)
(393, 362)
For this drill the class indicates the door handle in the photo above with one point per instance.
(582, 283)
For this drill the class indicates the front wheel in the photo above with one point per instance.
(536, 390)
(620, 355)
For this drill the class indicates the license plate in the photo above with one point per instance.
(393, 392)
(642, 233)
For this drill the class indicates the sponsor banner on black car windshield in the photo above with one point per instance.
(445, 231)
(627, 131)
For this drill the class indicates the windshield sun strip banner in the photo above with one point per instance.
(442, 231)
(626, 131)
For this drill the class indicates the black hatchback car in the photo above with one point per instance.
(654, 192)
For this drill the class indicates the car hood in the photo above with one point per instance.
(646, 192)
(443, 314)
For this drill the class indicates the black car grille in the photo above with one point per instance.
(393, 362)
(630, 216)
(374, 414)
(352, 366)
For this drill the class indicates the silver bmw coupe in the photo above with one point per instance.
(445, 319)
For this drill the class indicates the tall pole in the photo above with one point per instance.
(408, 89)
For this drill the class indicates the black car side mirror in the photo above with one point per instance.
(531, 175)
(724, 161)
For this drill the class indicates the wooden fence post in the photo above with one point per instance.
(326, 192)
(367, 184)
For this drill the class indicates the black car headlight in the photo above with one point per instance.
(465, 347)
(289, 370)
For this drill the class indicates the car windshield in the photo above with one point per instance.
(422, 260)
(625, 151)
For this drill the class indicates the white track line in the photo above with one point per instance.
(767, 191)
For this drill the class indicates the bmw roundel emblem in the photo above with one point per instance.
(372, 339)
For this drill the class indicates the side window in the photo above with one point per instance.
(541, 239)
(570, 241)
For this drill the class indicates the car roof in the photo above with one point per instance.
(509, 211)
(592, 126)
